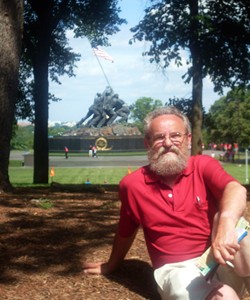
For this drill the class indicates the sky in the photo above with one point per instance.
(131, 75)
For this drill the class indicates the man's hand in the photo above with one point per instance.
(225, 244)
(224, 238)
(97, 268)
(120, 248)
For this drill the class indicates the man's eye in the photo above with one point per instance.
(159, 137)
(175, 135)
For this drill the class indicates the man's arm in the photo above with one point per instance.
(232, 206)
(120, 248)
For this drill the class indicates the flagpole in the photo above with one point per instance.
(102, 70)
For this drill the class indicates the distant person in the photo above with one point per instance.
(66, 152)
(236, 148)
(184, 204)
(94, 151)
(90, 151)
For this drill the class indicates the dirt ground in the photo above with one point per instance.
(42, 248)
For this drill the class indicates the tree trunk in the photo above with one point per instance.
(11, 25)
(197, 110)
(197, 80)
(41, 90)
(41, 122)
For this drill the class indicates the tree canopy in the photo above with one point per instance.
(46, 53)
(211, 32)
(228, 119)
(142, 107)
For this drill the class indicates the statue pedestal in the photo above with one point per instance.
(112, 130)
(115, 138)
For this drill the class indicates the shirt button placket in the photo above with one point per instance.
(171, 198)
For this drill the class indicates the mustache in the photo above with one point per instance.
(162, 150)
(173, 149)
(164, 164)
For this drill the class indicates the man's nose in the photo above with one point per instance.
(167, 141)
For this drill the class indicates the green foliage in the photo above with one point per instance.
(58, 130)
(184, 105)
(23, 138)
(24, 107)
(46, 53)
(15, 163)
(213, 32)
(23, 135)
(54, 21)
(43, 203)
(214, 35)
(141, 108)
(228, 119)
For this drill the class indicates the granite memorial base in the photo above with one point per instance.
(110, 143)
(116, 137)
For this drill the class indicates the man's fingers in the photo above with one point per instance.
(93, 271)
(92, 268)
(232, 251)
(225, 253)
(90, 265)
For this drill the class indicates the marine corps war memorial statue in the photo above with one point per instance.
(105, 125)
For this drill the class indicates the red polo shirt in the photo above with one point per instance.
(176, 221)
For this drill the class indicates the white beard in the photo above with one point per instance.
(168, 162)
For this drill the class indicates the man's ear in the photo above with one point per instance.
(189, 140)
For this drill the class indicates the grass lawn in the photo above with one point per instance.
(24, 176)
(238, 171)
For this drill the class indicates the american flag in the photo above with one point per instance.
(101, 53)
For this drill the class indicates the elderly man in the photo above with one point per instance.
(184, 205)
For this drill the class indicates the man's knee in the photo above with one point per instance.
(223, 292)
(242, 258)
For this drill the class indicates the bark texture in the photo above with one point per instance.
(11, 23)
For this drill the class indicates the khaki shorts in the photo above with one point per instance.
(183, 281)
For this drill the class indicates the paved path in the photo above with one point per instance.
(91, 162)
(101, 161)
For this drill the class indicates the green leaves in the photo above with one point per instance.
(142, 107)
(229, 118)
(216, 32)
